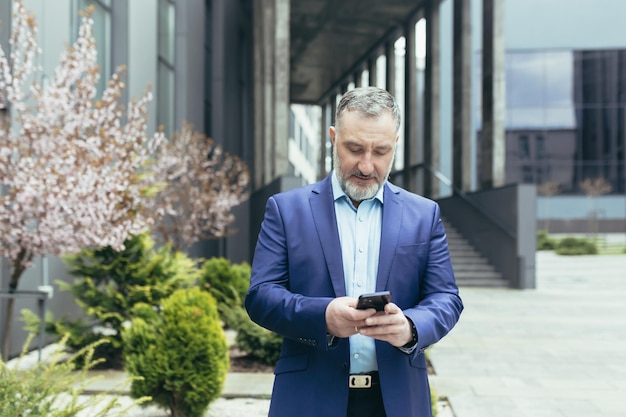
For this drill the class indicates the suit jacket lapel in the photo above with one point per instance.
(392, 220)
(323, 211)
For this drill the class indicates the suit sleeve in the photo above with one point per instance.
(269, 301)
(439, 306)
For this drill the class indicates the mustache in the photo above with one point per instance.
(359, 174)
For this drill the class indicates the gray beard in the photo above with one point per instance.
(353, 191)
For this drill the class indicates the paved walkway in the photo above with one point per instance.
(557, 351)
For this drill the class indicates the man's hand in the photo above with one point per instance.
(343, 319)
(390, 325)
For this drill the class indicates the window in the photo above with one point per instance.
(540, 147)
(102, 33)
(165, 71)
(524, 147)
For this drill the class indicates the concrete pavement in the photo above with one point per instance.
(556, 351)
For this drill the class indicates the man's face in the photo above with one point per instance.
(363, 151)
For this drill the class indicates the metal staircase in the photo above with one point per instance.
(471, 269)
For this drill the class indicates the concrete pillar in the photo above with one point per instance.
(373, 70)
(271, 92)
(410, 109)
(325, 123)
(432, 105)
(390, 67)
(357, 77)
(462, 81)
(493, 94)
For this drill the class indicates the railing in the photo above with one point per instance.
(42, 301)
(443, 179)
(489, 219)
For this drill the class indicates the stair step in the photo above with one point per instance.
(475, 259)
(483, 283)
(471, 269)
(475, 274)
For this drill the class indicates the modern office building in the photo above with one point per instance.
(499, 98)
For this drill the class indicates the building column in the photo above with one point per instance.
(492, 145)
(373, 71)
(410, 109)
(271, 91)
(390, 67)
(462, 82)
(432, 106)
(325, 123)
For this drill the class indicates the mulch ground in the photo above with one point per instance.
(241, 362)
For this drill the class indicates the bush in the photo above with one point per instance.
(544, 241)
(434, 400)
(227, 282)
(576, 246)
(180, 352)
(52, 388)
(259, 343)
(110, 283)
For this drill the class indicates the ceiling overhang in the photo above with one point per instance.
(329, 37)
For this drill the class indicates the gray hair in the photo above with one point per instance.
(370, 102)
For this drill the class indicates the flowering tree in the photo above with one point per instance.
(202, 187)
(74, 168)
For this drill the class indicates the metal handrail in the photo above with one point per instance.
(457, 191)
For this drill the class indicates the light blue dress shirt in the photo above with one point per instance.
(359, 235)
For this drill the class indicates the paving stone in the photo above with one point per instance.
(555, 351)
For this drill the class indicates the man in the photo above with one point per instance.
(323, 245)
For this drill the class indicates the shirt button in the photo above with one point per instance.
(359, 284)
(361, 250)
(356, 356)
(360, 218)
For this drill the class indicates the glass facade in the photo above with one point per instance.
(102, 33)
(165, 69)
(565, 117)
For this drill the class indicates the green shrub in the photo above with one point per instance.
(259, 343)
(180, 352)
(109, 284)
(227, 282)
(576, 246)
(544, 241)
(52, 387)
(434, 399)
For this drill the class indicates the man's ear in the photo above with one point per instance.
(332, 132)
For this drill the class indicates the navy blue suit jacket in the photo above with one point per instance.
(297, 270)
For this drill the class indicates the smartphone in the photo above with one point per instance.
(375, 300)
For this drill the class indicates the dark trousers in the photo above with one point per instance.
(366, 402)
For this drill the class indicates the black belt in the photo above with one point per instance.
(363, 381)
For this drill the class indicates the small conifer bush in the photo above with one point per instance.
(109, 284)
(180, 351)
(576, 246)
(227, 282)
(544, 241)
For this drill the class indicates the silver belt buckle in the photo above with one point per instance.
(360, 381)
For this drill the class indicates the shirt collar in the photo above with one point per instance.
(338, 191)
